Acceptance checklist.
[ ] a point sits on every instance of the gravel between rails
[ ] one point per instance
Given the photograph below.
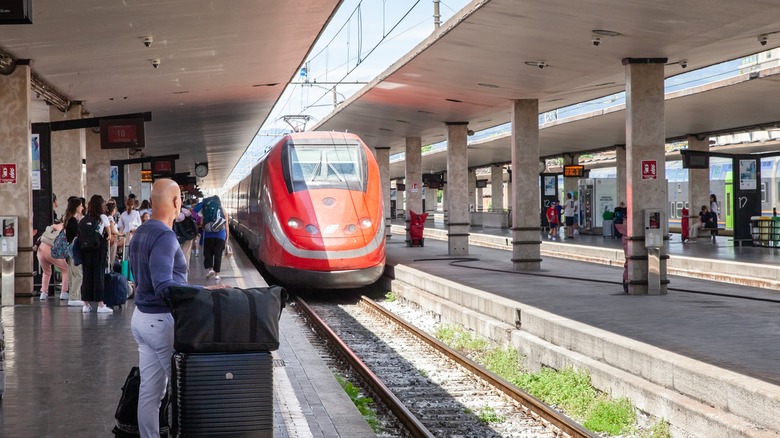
(447, 398)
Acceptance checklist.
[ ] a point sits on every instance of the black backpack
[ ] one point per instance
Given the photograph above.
(89, 238)
(186, 229)
(127, 411)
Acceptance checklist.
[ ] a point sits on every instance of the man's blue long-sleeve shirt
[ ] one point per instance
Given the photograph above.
(157, 264)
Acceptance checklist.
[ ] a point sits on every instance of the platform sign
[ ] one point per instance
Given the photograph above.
(649, 169)
(8, 173)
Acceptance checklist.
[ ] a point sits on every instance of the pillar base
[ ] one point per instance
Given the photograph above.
(458, 239)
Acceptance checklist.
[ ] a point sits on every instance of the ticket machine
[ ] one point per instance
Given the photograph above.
(9, 249)
(654, 240)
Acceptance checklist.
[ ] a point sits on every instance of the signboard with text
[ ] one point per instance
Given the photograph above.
(649, 169)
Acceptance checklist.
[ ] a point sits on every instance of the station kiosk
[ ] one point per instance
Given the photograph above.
(596, 196)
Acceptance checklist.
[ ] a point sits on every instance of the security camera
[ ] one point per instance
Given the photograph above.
(684, 63)
(596, 41)
(155, 63)
(541, 65)
(763, 39)
(148, 41)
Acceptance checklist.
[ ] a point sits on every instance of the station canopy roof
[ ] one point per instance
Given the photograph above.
(487, 55)
(223, 65)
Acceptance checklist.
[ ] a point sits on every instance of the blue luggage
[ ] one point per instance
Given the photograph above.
(116, 289)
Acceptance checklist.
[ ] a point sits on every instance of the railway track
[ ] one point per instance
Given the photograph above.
(431, 389)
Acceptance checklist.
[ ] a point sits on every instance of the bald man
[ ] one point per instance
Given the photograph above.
(157, 264)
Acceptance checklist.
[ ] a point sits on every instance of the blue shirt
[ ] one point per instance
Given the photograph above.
(221, 234)
(157, 264)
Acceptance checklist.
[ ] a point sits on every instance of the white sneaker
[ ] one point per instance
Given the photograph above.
(211, 273)
(44, 296)
(64, 295)
(105, 309)
(86, 308)
(76, 303)
(217, 278)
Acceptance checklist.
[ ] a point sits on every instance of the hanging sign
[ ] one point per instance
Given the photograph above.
(8, 173)
(649, 169)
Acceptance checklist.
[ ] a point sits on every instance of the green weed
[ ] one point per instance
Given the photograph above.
(464, 341)
(391, 297)
(362, 403)
(658, 430)
(488, 415)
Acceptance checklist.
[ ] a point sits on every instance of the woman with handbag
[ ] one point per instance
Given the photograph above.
(45, 260)
(73, 215)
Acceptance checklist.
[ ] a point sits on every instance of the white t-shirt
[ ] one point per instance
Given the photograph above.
(714, 207)
(104, 222)
(569, 208)
(129, 221)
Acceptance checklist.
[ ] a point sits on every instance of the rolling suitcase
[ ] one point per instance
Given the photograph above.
(127, 411)
(125, 264)
(116, 290)
(221, 394)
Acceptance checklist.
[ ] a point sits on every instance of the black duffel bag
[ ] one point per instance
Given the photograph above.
(226, 320)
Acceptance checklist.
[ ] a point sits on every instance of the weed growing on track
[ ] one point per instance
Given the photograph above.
(567, 389)
(391, 297)
(488, 415)
(362, 403)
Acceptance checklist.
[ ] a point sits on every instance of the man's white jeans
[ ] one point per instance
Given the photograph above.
(154, 334)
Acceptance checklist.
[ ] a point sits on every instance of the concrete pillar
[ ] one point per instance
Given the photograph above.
(98, 163)
(413, 178)
(456, 199)
(698, 179)
(497, 186)
(620, 166)
(526, 241)
(480, 200)
(68, 150)
(430, 202)
(16, 199)
(645, 138)
(445, 201)
(570, 184)
(473, 189)
(383, 159)
(133, 180)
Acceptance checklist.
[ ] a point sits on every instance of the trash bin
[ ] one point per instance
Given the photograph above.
(761, 229)
(416, 228)
(775, 230)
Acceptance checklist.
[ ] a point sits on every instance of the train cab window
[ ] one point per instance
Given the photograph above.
(324, 166)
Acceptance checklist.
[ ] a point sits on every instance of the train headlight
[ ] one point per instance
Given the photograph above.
(328, 201)
(295, 223)
(349, 229)
(313, 230)
(365, 222)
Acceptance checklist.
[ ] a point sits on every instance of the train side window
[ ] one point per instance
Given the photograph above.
(672, 210)
(678, 210)
(763, 192)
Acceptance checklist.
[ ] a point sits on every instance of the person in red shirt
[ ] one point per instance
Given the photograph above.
(552, 220)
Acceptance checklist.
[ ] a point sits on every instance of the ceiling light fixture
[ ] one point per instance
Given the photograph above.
(487, 85)
(606, 33)
(454, 100)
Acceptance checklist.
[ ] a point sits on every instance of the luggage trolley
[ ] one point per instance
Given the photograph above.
(416, 228)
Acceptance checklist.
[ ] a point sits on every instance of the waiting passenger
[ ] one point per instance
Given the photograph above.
(73, 215)
(705, 221)
(145, 217)
(620, 214)
(552, 220)
(94, 256)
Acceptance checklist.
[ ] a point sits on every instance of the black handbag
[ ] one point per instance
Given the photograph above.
(226, 320)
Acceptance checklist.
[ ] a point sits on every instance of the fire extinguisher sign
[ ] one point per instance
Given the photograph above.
(649, 169)
(8, 173)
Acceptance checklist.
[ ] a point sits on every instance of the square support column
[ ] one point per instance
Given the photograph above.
(526, 239)
(645, 165)
(456, 195)
(68, 152)
(383, 159)
(16, 198)
(497, 187)
(620, 170)
(413, 179)
(698, 179)
(472, 189)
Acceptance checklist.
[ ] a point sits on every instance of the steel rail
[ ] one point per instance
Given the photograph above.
(410, 422)
(561, 421)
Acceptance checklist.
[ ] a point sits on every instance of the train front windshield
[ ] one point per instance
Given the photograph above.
(325, 166)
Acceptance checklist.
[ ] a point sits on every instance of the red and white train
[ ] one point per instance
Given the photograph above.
(311, 211)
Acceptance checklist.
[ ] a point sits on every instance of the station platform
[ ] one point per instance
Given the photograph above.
(679, 340)
(704, 259)
(65, 370)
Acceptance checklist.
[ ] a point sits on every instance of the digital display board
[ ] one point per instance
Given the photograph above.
(122, 133)
(577, 171)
